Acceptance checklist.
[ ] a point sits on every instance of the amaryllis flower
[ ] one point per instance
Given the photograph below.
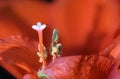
(18, 56)
(85, 30)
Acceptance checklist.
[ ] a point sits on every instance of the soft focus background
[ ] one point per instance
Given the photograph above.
(85, 26)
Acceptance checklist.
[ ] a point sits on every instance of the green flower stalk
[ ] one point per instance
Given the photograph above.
(42, 75)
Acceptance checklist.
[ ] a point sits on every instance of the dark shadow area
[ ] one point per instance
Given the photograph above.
(5, 74)
(49, 1)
